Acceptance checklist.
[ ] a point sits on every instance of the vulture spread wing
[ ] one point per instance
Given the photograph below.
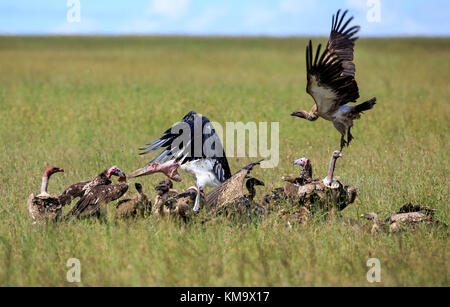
(80, 188)
(72, 192)
(331, 75)
(90, 202)
(229, 191)
(194, 137)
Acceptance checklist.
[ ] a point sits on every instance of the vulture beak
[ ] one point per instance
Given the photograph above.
(61, 170)
(298, 162)
(297, 114)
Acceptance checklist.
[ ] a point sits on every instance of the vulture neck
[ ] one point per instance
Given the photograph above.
(252, 191)
(44, 184)
(331, 171)
(306, 173)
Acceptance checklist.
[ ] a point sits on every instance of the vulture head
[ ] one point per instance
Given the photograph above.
(250, 185)
(114, 171)
(370, 216)
(164, 186)
(305, 163)
(52, 170)
(138, 187)
(337, 154)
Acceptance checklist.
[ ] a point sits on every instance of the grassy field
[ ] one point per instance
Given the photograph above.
(85, 104)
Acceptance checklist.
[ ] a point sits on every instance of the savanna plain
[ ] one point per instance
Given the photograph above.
(86, 103)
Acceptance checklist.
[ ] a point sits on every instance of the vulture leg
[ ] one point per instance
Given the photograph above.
(343, 142)
(349, 136)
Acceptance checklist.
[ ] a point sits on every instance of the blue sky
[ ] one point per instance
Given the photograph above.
(223, 17)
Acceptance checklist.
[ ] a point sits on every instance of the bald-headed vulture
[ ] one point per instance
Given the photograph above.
(45, 206)
(95, 199)
(80, 188)
(331, 80)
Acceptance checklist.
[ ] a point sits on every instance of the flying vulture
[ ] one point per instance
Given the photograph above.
(331, 80)
(193, 145)
(45, 206)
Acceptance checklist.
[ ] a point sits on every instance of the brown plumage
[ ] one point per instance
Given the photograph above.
(44, 206)
(327, 194)
(80, 188)
(291, 188)
(331, 80)
(181, 205)
(229, 198)
(229, 191)
(166, 192)
(95, 199)
(408, 217)
(139, 205)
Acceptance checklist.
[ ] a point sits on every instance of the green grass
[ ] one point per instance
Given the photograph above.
(85, 104)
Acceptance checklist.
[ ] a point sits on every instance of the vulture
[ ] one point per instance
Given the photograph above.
(329, 192)
(181, 205)
(257, 209)
(95, 199)
(245, 209)
(80, 188)
(163, 201)
(45, 206)
(317, 194)
(139, 205)
(331, 80)
(193, 145)
(231, 192)
(408, 217)
(291, 188)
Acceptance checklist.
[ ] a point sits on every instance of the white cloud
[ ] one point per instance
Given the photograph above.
(169, 8)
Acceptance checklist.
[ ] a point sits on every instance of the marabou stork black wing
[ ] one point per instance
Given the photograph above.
(194, 137)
